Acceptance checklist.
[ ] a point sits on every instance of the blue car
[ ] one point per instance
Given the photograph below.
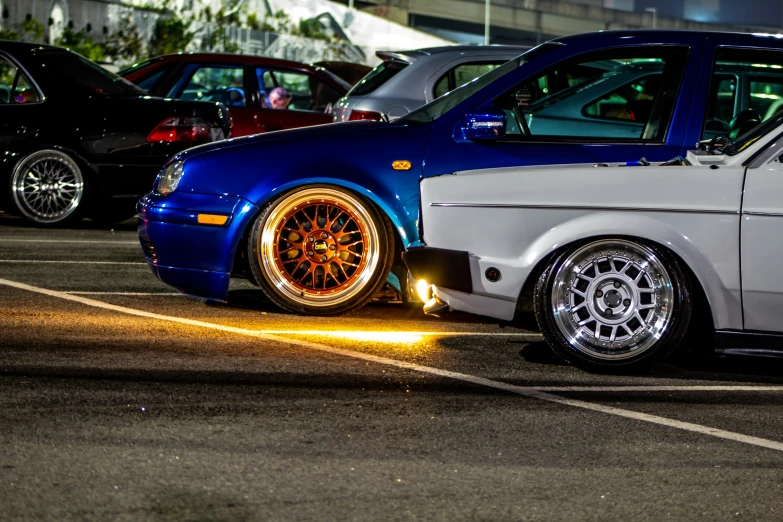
(318, 217)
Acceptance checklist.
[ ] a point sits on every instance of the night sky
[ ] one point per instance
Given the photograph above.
(751, 12)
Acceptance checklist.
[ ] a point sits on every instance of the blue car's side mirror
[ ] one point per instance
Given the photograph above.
(489, 125)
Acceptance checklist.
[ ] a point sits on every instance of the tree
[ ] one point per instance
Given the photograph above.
(8, 34)
(32, 30)
(82, 43)
(171, 35)
(125, 45)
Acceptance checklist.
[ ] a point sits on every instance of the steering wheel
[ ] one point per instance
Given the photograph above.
(235, 97)
(743, 122)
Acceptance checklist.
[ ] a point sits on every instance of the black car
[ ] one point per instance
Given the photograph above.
(77, 140)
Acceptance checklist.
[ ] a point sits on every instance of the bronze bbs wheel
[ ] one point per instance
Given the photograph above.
(320, 250)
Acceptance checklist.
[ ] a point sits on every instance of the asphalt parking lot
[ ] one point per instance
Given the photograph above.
(123, 400)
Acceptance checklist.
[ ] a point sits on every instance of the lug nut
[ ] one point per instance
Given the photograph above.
(310, 239)
(323, 258)
(331, 247)
(617, 284)
(627, 302)
(599, 294)
(310, 252)
(324, 235)
(609, 311)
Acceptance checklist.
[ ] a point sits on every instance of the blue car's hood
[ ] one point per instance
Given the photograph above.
(303, 134)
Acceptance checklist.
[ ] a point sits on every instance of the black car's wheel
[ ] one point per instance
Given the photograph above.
(47, 188)
(613, 306)
(321, 250)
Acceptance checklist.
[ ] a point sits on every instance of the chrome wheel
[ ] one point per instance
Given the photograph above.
(319, 247)
(47, 187)
(612, 299)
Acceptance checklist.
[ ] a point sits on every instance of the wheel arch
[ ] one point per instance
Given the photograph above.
(240, 266)
(707, 284)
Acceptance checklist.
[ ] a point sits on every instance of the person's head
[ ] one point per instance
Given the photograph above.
(279, 98)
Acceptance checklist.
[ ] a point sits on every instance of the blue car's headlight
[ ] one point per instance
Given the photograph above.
(168, 180)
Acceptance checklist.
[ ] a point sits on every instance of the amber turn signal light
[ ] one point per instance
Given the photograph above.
(212, 219)
(401, 165)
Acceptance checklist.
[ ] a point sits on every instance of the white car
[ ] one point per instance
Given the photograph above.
(615, 259)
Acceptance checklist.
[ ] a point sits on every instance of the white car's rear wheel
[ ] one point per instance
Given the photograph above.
(613, 306)
(321, 251)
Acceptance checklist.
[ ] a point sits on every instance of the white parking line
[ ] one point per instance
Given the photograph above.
(125, 293)
(58, 262)
(655, 388)
(69, 241)
(532, 392)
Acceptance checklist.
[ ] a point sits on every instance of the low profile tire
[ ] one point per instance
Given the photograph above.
(322, 250)
(47, 188)
(613, 306)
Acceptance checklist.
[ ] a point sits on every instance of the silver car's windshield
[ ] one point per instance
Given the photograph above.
(440, 106)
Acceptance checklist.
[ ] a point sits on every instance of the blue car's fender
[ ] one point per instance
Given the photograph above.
(355, 156)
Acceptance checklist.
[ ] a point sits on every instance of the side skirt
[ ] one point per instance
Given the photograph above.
(758, 344)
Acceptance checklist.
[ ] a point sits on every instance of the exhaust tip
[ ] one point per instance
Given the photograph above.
(435, 307)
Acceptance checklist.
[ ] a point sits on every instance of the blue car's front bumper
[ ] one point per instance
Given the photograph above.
(194, 258)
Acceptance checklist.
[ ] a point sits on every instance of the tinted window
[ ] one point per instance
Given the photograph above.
(15, 88)
(624, 94)
(746, 89)
(460, 75)
(377, 77)
(766, 95)
(307, 92)
(631, 102)
(722, 104)
(440, 106)
(150, 81)
(89, 74)
(224, 84)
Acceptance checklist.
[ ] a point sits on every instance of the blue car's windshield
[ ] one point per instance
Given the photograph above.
(440, 106)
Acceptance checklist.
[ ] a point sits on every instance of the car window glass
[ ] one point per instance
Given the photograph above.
(149, 81)
(460, 75)
(86, 74)
(721, 106)
(632, 102)
(377, 77)
(746, 89)
(15, 88)
(617, 95)
(766, 95)
(306, 92)
(224, 84)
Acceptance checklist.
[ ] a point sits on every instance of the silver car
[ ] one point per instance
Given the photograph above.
(406, 80)
(617, 260)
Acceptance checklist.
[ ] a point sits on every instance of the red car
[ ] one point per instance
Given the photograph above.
(243, 83)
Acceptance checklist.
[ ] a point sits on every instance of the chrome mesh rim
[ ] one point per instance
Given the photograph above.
(47, 186)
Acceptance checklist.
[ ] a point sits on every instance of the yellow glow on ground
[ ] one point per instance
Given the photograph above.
(359, 335)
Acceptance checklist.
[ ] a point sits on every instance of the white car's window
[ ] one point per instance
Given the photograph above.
(617, 95)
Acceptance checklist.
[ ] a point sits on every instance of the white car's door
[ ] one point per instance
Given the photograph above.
(762, 243)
